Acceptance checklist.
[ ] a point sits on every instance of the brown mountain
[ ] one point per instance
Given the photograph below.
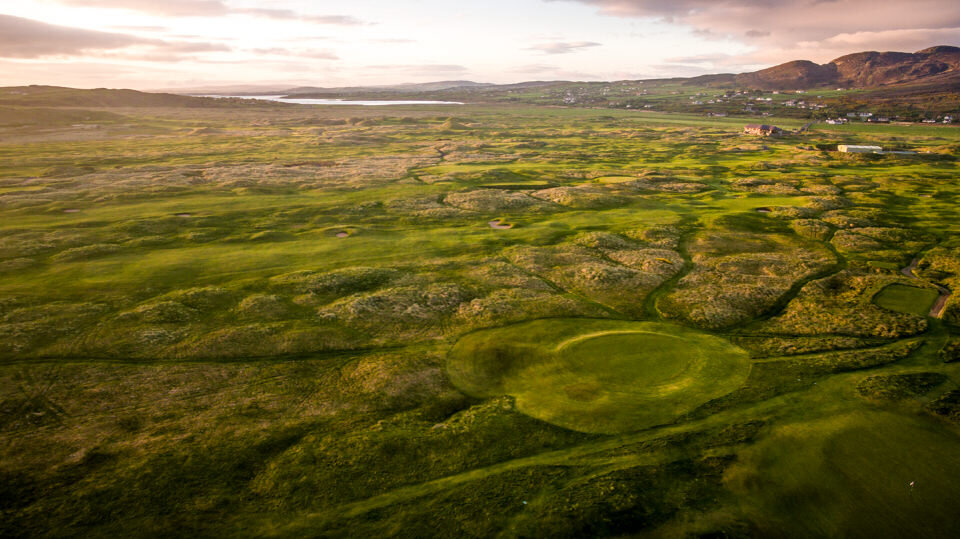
(799, 74)
(859, 70)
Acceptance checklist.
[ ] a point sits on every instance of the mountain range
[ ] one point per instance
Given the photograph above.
(897, 75)
(936, 65)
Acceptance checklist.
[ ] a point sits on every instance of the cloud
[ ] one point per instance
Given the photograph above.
(428, 70)
(26, 38)
(815, 18)
(446, 68)
(535, 69)
(908, 39)
(699, 59)
(290, 15)
(669, 71)
(169, 8)
(134, 28)
(563, 47)
(780, 25)
(340, 20)
(552, 72)
(211, 8)
(318, 55)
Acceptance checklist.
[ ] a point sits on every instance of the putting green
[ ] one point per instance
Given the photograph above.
(600, 376)
(906, 299)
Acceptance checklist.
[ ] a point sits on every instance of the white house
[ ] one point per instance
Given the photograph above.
(850, 148)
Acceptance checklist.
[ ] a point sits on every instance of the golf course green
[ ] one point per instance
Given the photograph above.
(906, 299)
(598, 376)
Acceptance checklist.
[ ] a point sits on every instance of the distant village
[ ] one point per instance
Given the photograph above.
(763, 130)
(754, 104)
(821, 105)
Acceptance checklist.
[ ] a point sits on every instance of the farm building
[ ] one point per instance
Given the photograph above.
(849, 148)
(762, 130)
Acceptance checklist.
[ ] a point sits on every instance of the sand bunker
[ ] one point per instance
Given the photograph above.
(71, 211)
(500, 225)
(343, 234)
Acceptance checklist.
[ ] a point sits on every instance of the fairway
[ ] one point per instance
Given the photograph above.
(854, 475)
(906, 299)
(598, 376)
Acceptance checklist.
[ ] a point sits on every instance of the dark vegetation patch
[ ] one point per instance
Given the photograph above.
(899, 386)
(947, 406)
(951, 350)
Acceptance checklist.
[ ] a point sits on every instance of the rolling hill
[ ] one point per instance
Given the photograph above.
(57, 96)
(940, 65)
(887, 76)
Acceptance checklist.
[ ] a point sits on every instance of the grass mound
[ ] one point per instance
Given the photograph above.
(453, 124)
(598, 376)
(906, 299)
(899, 386)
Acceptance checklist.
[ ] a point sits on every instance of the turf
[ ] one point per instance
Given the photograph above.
(856, 475)
(598, 376)
(906, 299)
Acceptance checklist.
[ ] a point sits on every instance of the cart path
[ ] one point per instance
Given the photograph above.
(936, 311)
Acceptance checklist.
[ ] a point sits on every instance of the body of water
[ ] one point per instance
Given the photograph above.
(282, 99)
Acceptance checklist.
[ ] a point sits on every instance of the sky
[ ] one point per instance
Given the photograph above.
(155, 44)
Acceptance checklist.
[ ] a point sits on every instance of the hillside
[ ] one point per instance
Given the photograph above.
(859, 70)
(795, 74)
(930, 77)
(56, 96)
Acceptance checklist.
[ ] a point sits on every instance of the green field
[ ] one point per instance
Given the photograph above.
(906, 299)
(488, 320)
(598, 375)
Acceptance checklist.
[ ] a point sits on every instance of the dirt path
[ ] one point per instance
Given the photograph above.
(908, 271)
(941, 304)
(936, 311)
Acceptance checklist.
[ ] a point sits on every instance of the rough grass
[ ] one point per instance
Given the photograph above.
(189, 346)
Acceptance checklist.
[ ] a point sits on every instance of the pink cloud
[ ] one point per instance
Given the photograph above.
(817, 30)
(26, 38)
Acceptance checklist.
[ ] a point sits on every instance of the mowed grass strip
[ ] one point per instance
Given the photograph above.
(598, 376)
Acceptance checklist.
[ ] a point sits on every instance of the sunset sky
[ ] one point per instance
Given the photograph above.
(150, 44)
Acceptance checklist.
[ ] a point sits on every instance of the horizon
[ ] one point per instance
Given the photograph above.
(190, 44)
